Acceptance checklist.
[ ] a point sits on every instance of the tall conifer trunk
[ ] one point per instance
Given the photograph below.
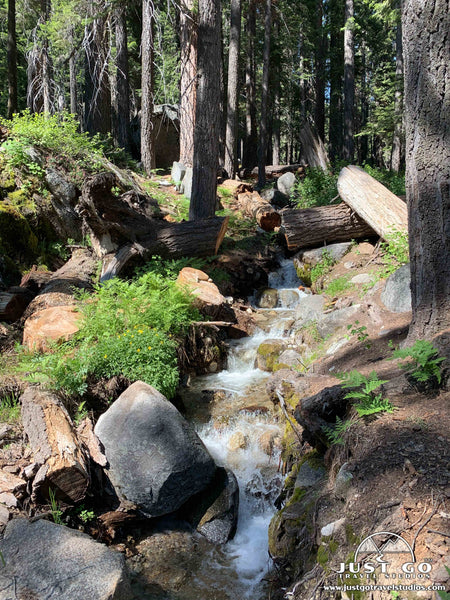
(349, 82)
(121, 104)
(188, 85)
(147, 133)
(250, 157)
(232, 95)
(263, 137)
(12, 59)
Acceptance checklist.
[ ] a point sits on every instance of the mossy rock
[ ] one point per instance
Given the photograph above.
(268, 354)
(303, 272)
(16, 236)
(7, 178)
(267, 298)
(21, 200)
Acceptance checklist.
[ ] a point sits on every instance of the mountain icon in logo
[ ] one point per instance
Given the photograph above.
(376, 543)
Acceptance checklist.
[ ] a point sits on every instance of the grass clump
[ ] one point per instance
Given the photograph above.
(9, 409)
(338, 286)
(129, 329)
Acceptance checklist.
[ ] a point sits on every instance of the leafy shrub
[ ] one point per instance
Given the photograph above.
(322, 267)
(396, 251)
(129, 329)
(59, 138)
(317, 188)
(423, 364)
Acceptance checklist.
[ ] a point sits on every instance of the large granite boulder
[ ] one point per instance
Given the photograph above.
(45, 561)
(396, 295)
(156, 459)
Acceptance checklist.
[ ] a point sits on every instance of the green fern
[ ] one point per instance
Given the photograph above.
(369, 402)
(424, 363)
(336, 432)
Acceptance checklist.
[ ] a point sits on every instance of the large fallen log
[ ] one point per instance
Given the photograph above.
(56, 449)
(252, 205)
(308, 227)
(131, 224)
(189, 238)
(275, 170)
(379, 207)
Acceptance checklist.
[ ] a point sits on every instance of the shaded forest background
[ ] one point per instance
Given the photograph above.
(334, 64)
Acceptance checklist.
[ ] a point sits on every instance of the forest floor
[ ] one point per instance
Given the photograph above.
(399, 461)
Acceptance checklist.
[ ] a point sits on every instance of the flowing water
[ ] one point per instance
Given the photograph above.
(236, 424)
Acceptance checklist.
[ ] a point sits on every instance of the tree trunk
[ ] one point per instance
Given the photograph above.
(188, 87)
(55, 447)
(427, 118)
(336, 17)
(373, 202)
(12, 59)
(322, 225)
(233, 80)
(121, 120)
(313, 149)
(319, 64)
(73, 75)
(349, 81)
(47, 94)
(97, 116)
(397, 142)
(147, 133)
(207, 116)
(250, 157)
(262, 149)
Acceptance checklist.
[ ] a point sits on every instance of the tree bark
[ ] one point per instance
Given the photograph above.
(73, 75)
(373, 202)
(319, 63)
(250, 157)
(121, 104)
(313, 149)
(349, 81)
(323, 224)
(188, 87)
(147, 133)
(427, 119)
(232, 95)
(97, 100)
(336, 70)
(397, 142)
(252, 205)
(12, 59)
(55, 447)
(262, 149)
(207, 116)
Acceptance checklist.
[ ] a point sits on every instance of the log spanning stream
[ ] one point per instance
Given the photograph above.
(237, 427)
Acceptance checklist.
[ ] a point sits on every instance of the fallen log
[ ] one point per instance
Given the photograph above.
(252, 205)
(308, 227)
(13, 303)
(379, 207)
(55, 446)
(133, 224)
(275, 170)
(189, 238)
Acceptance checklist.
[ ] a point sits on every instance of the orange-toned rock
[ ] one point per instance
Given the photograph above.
(50, 325)
(198, 282)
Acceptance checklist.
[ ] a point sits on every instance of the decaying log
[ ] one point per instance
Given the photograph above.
(189, 238)
(133, 224)
(252, 205)
(313, 149)
(275, 170)
(379, 207)
(323, 224)
(13, 303)
(54, 445)
(319, 411)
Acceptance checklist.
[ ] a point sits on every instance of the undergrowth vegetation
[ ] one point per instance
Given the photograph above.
(128, 328)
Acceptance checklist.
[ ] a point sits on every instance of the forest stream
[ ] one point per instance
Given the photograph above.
(241, 433)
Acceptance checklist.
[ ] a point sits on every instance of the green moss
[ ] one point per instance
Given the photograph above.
(16, 236)
(7, 178)
(21, 200)
(270, 351)
(322, 556)
(304, 274)
(297, 495)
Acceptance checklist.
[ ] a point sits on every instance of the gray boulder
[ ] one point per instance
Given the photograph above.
(45, 561)
(314, 256)
(186, 184)
(309, 308)
(63, 198)
(396, 295)
(286, 183)
(156, 459)
(219, 522)
(331, 322)
(275, 197)
(177, 174)
(308, 475)
(267, 298)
